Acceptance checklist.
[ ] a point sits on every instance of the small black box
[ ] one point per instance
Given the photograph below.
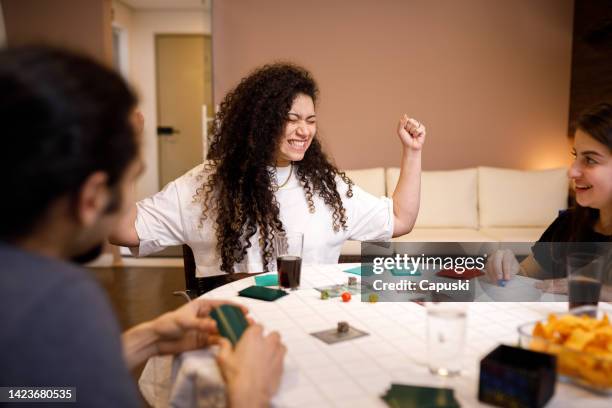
(515, 377)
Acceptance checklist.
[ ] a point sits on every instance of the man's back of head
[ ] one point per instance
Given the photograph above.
(65, 117)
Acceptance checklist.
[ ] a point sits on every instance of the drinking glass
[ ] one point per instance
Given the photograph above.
(446, 327)
(584, 276)
(288, 248)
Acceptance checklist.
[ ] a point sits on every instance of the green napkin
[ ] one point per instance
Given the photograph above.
(355, 271)
(367, 270)
(231, 322)
(270, 279)
(411, 396)
(262, 293)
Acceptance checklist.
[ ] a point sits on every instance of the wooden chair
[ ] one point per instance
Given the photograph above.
(192, 287)
(195, 286)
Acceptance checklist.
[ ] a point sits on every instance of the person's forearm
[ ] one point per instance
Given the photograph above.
(407, 195)
(125, 232)
(529, 267)
(139, 343)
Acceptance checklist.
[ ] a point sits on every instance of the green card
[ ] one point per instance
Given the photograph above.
(231, 322)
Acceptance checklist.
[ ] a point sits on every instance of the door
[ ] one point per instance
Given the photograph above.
(184, 85)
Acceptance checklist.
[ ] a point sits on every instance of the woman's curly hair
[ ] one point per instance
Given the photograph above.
(245, 136)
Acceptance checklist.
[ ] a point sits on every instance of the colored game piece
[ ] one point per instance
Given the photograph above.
(346, 297)
(343, 327)
(352, 281)
(373, 298)
(324, 294)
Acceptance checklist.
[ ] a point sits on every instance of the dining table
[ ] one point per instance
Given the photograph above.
(358, 372)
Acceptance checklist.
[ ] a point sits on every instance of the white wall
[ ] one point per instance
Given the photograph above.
(141, 26)
(145, 24)
(122, 19)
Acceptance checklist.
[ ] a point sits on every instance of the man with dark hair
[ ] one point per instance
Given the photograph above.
(69, 156)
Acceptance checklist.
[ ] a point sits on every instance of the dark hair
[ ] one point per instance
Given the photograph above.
(597, 123)
(64, 116)
(245, 137)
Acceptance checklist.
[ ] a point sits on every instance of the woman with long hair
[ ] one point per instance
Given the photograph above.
(266, 175)
(588, 221)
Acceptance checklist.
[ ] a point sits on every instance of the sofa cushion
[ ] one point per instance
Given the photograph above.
(371, 180)
(518, 240)
(517, 198)
(351, 247)
(424, 235)
(434, 241)
(448, 198)
(525, 234)
(444, 235)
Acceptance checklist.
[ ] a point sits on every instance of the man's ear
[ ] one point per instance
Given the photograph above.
(92, 199)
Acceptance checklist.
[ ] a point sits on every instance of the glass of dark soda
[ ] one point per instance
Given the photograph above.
(584, 276)
(288, 248)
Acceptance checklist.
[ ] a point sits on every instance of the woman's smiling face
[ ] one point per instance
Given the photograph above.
(300, 129)
(591, 172)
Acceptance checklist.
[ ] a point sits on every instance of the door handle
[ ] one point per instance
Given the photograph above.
(167, 131)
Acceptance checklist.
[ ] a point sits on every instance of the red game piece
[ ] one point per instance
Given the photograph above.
(346, 296)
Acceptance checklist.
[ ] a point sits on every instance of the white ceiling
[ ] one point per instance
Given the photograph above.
(167, 4)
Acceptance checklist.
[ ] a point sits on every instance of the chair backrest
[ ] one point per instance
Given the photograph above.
(191, 282)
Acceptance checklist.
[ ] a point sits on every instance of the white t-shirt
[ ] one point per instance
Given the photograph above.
(173, 217)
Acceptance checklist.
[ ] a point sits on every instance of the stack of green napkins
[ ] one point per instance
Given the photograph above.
(413, 396)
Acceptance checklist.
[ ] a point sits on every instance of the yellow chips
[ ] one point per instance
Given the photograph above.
(583, 346)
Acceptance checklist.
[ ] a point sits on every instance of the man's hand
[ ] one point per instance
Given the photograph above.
(186, 328)
(411, 133)
(253, 369)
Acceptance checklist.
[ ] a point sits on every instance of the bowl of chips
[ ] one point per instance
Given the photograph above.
(582, 341)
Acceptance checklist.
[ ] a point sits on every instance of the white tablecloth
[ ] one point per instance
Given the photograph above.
(353, 373)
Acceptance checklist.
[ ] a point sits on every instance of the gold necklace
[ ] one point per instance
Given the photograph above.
(278, 187)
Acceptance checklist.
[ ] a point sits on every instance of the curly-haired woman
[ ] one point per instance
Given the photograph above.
(267, 174)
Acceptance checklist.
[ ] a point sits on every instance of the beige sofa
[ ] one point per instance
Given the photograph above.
(480, 204)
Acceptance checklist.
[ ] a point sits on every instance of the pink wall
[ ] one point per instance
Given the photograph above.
(82, 25)
(489, 78)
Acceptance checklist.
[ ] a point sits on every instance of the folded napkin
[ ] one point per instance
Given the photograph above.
(367, 270)
(181, 382)
(355, 271)
(262, 293)
(270, 279)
